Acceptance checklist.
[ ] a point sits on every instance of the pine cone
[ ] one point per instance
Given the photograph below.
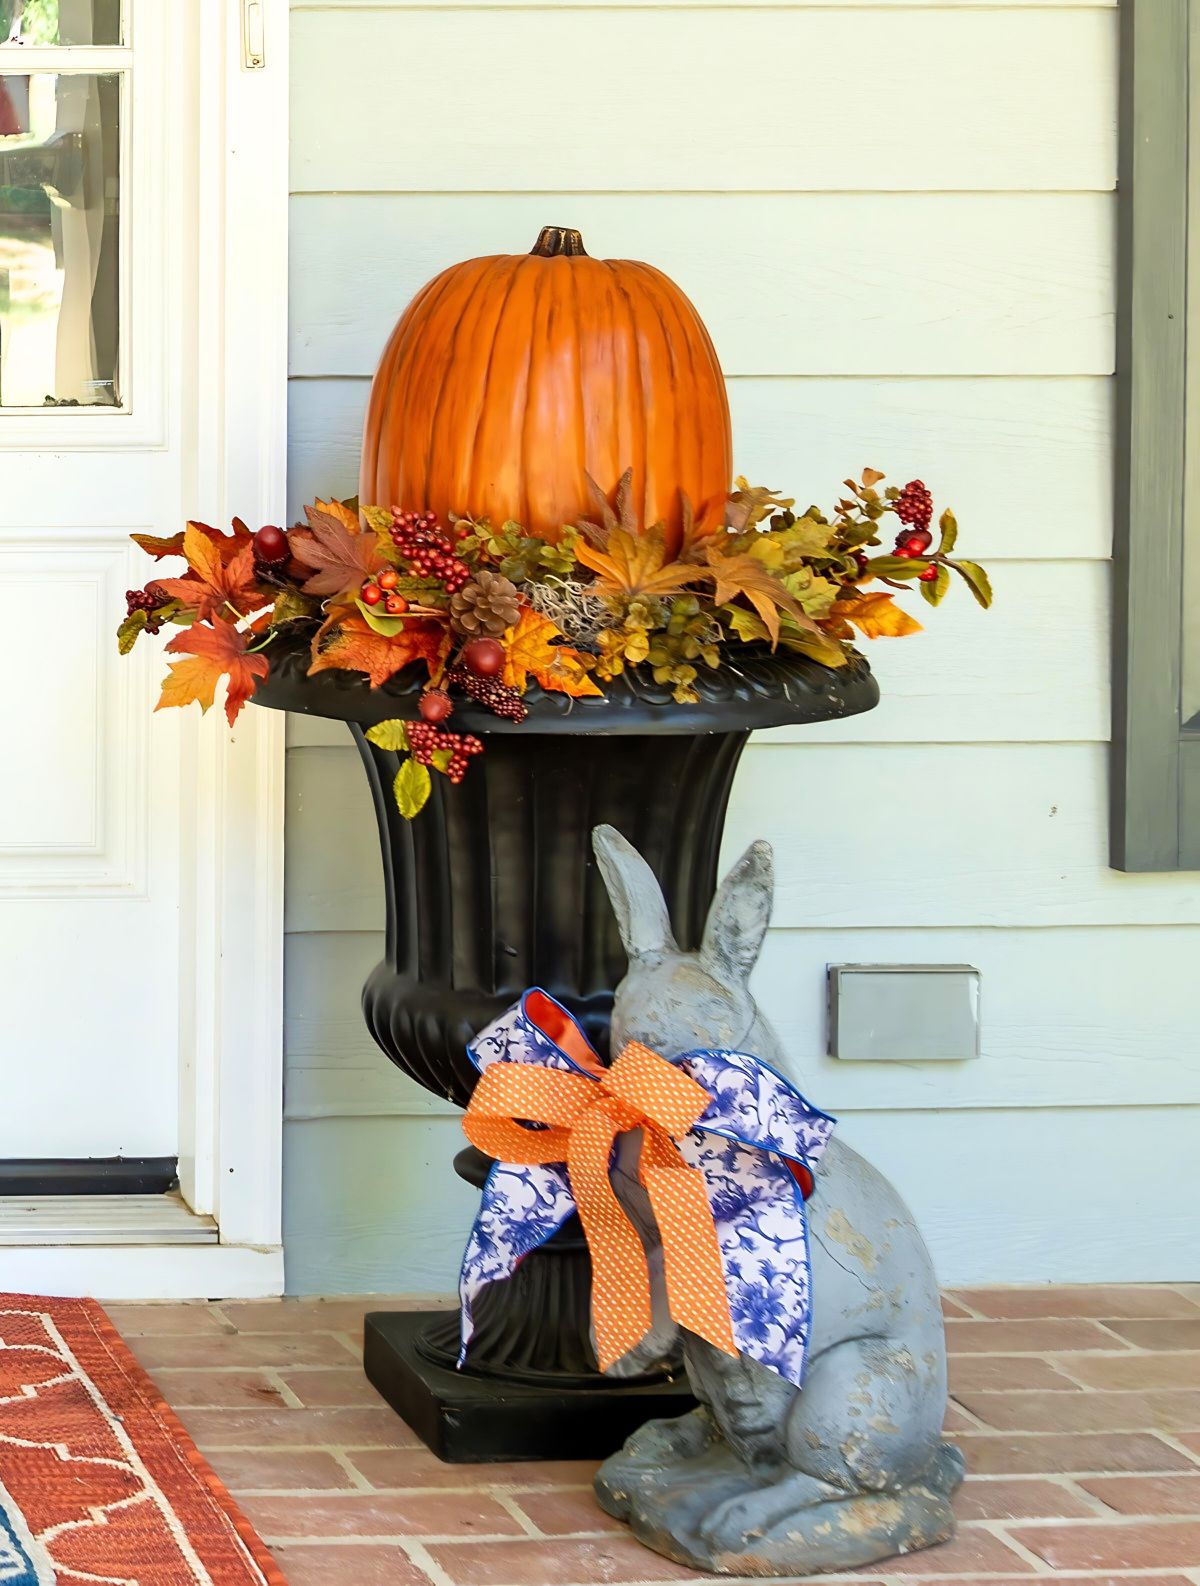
(485, 606)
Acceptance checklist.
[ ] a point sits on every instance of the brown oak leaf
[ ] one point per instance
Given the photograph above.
(337, 548)
(212, 583)
(346, 642)
(214, 652)
(530, 650)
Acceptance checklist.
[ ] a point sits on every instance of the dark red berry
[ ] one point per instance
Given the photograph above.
(148, 600)
(271, 544)
(426, 740)
(484, 657)
(914, 504)
(860, 562)
(427, 550)
(930, 573)
(435, 705)
(490, 692)
(921, 538)
(910, 545)
(372, 594)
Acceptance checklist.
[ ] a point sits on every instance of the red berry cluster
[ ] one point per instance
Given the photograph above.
(914, 505)
(147, 600)
(427, 550)
(425, 740)
(383, 588)
(489, 692)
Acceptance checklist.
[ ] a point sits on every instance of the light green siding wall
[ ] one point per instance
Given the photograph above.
(902, 242)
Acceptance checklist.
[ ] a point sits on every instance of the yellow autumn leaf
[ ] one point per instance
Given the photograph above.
(876, 615)
(341, 512)
(635, 564)
(530, 650)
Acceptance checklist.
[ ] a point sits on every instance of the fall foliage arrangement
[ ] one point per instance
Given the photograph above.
(487, 609)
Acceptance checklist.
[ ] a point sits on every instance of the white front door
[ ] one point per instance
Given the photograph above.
(131, 132)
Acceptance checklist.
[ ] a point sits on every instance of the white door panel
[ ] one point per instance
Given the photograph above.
(99, 204)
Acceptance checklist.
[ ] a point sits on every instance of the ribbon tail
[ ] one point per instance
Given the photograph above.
(621, 1310)
(692, 1264)
(521, 1207)
(762, 1231)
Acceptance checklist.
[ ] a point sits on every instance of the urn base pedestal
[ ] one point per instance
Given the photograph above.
(466, 1418)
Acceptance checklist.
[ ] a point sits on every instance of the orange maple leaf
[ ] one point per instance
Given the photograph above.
(635, 564)
(737, 573)
(346, 642)
(530, 650)
(172, 545)
(876, 614)
(216, 652)
(212, 584)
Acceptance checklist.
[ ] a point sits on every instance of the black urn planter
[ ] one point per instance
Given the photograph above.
(494, 888)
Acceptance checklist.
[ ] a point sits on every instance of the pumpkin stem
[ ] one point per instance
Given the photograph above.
(554, 241)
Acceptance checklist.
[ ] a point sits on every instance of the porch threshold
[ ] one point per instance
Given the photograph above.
(60, 1220)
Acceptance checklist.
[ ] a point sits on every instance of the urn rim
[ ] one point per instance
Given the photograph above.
(761, 689)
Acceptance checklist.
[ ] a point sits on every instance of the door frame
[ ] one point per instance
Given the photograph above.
(231, 822)
(231, 1102)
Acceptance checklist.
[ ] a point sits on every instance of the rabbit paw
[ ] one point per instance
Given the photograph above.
(740, 1521)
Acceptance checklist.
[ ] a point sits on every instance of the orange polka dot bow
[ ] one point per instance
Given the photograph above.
(580, 1120)
(727, 1153)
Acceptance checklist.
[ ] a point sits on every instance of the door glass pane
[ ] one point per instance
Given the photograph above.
(59, 239)
(60, 22)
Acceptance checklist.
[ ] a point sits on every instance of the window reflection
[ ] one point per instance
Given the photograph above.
(59, 238)
(40, 22)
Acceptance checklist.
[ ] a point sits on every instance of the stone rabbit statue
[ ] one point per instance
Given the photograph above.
(765, 1478)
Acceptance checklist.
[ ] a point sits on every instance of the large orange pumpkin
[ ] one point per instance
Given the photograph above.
(509, 379)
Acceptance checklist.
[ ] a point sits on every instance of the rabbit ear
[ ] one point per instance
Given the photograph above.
(740, 914)
(636, 896)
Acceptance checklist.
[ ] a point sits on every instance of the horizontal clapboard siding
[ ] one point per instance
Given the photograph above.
(1018, 1195)
(1040, 1038)
(971, 437)
(579, 100)
(373, 1205)
(696, 5)
(840, 284)
(923, 835)
(906, 262)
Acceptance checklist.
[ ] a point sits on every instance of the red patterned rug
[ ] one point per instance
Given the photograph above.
(98, 1480)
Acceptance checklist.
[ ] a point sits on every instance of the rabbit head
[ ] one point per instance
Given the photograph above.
(672, 1000)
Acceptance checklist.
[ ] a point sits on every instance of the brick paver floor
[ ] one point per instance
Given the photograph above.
(1078, 1410)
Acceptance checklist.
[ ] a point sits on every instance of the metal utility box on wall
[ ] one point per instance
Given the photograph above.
(903, 1013)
